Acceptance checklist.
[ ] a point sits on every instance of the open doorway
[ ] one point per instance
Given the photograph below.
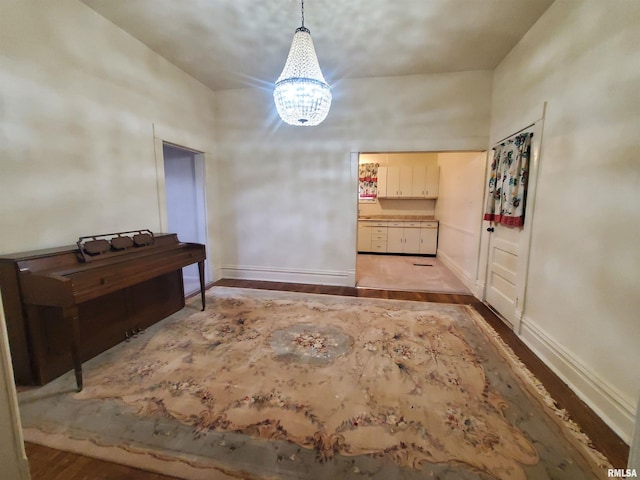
(419, 220)
(185, 196)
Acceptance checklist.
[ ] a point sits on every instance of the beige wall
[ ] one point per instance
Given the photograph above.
(79, 102)
(582, 302)
(80, 99)
(459, 210)
(289, 198)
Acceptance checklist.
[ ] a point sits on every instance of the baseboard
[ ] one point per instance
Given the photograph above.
(463, 276)
(608, 403)
(478, 290)
(351, 278)
(217, 273)
(276, 274)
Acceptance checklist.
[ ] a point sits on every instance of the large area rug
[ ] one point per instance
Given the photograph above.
(276, 385)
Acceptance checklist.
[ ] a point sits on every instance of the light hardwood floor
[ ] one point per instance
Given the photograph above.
(405, 272)
(50, 464)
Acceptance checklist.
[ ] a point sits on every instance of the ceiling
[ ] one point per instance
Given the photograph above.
(230, 44)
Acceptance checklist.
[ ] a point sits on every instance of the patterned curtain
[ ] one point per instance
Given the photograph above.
(508, 181)
(368, 180)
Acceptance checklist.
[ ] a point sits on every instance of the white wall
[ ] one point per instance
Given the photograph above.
(80, 99)
(582, 302)
(459, 210)
(289, 199)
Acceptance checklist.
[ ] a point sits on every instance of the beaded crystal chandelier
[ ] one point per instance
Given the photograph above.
(301, 94)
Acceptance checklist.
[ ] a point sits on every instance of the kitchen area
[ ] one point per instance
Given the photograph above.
(399, 236)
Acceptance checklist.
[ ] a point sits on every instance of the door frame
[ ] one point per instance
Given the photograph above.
(200, 168)
(524, 246)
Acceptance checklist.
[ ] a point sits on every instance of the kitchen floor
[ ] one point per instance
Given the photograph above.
(406, 273)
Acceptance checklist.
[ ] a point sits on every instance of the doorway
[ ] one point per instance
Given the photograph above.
(426, 237)
(508, 248)
(185, 197)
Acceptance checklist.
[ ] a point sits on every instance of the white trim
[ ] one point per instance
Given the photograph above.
(606, 401)
(158, 153)
(524, 240)
(217, 273)
(12, 453)
(634, 451)
(351, 277)
(277, 274)
(466, 231)
(478, 290)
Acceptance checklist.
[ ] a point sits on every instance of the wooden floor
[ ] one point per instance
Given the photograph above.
(50, 464)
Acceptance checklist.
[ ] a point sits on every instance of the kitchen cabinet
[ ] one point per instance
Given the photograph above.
(417, 238)
(403, 237)
(397, 182)
(425, 180)
(409, 182)
(364, 237)
(428, 238)
(379, 237)
(382, 182)
(432, 181)
(395, 239)
(372, 236)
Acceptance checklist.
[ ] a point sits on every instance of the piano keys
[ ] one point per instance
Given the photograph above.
(66, 305)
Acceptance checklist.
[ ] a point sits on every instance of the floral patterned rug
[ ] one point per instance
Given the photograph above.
(276, 385)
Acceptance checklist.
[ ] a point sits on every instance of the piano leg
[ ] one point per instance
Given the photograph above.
(72, 314)
(201, 273)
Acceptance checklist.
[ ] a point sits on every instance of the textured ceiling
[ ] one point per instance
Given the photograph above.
(237, 43)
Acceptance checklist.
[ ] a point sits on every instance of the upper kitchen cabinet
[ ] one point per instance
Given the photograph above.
(409, 175)
(402, 180)
(397, 182)
(425, 180)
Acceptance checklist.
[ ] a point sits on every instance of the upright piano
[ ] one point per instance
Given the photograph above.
(66, 305)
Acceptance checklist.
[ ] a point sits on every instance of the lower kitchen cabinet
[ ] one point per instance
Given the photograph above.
(419, 238)
(428, 238)
(403, 237)
(364, 237)
(395, 238)
(372, 236)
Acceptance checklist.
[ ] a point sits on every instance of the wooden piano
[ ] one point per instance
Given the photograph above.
(66, 305)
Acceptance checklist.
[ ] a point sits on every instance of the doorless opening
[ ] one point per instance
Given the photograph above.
(185, 197)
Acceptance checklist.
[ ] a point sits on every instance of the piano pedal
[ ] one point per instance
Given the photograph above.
(137, 331)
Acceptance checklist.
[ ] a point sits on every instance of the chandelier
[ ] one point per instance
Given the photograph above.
(301, 94)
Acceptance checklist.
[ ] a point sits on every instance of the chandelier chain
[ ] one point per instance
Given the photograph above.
(302, 1)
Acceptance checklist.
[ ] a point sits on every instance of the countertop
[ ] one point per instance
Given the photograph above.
(399, 218)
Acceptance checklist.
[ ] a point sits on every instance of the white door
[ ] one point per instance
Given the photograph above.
(186, 213)
(502, 271)
(508, 250)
